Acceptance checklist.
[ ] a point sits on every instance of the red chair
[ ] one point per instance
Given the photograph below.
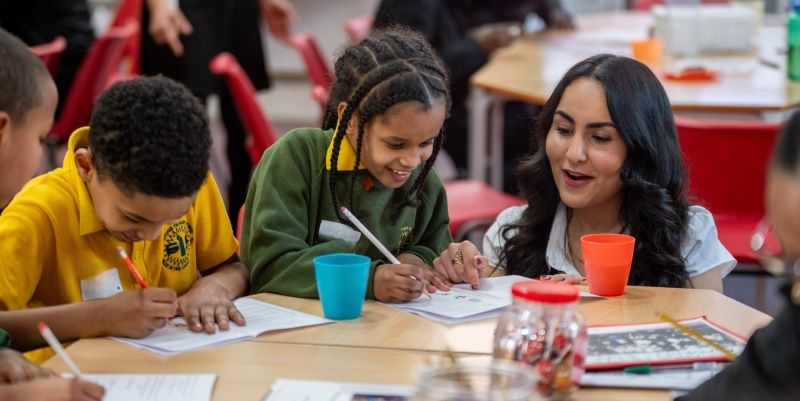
(97, 69)
(50, 53)
(129, 10)
(473, 204)
(319, 72)
(261, 131)
(727, 164)
(644, 5)
(358, 28)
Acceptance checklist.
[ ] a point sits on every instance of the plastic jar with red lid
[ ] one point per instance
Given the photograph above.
(544, 329)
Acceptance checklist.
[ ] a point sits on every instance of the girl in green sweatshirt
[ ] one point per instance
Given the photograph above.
(375, 153)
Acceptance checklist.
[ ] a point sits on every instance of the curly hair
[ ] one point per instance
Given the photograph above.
(391, 66)
(151, 136)
(21, 77)
(654, 205)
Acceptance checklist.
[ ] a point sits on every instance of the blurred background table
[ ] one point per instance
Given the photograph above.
(529, 69)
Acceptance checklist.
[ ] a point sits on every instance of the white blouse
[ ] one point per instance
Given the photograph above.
(701, 249)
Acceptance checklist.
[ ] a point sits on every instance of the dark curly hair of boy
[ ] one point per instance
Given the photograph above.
(150, 136)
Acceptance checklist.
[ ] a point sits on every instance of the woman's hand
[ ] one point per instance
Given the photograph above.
(461, 263)
(566, 278)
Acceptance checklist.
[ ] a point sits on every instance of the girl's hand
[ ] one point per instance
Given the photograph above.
(403, 282)
(566, 278)
(461, 263)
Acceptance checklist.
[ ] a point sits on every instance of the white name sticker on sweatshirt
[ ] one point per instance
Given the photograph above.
(102, 285)
(329, 230)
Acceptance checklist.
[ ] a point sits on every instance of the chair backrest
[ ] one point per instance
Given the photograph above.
(644, 5)
(50, 53)
(130, 10)
(727, 163)
(255, 120)
(319, 71)
(358, 28)
(95, 72)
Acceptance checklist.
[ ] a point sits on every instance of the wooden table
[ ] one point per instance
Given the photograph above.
(387, 345)
(245, 371)
(383, 327)
(529, 69)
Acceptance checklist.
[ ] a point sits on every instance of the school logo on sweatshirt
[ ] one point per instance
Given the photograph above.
(178, 239)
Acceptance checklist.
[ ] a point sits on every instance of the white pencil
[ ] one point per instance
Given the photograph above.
(51, 339)
(350, 216)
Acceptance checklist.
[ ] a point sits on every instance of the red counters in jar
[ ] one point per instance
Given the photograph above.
(544, 330)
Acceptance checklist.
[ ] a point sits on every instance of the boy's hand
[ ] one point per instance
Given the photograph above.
(53, 389)
(136, 314)
(16, 368)
(461, 263)
(207, 303)
(403, 282)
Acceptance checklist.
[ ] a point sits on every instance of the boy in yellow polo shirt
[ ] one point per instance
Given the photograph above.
(137, 177)
(27, 103)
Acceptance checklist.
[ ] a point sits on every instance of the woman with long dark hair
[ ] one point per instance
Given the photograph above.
(607, 160)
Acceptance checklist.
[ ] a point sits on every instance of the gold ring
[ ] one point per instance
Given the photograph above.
(458, 259)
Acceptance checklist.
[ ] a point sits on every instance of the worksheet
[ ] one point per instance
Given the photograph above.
(155, 387)
(308, 390)
(462, 304)
(260, 316)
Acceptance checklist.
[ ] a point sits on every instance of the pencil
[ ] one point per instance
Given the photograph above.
(350, 216)
(131, 266)
(697, 336)
(648, 369)
(51, 339)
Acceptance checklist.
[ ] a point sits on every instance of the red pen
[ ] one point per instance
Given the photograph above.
(131, 266)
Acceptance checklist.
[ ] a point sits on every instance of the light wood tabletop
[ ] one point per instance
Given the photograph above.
(383, 327)
(529, 69)
(388, 345)
(245, 371)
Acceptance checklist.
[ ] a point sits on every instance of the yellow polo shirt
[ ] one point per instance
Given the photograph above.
(54, 250)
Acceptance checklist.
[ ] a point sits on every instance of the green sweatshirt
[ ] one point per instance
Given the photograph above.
(289, 197)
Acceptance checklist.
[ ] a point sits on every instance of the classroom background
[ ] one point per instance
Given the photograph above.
(289, 102)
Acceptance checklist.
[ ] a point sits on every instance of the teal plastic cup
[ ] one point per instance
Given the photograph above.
(342, 284)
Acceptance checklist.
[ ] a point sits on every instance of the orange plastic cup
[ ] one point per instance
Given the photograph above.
(647, 50)
(607, 259)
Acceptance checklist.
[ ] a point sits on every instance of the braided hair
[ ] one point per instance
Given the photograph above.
(389, 67)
